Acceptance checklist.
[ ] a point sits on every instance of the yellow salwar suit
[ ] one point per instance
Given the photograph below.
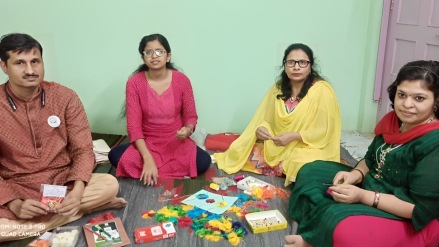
(316, 118)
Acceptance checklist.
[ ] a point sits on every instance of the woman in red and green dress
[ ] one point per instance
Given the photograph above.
(391, 198)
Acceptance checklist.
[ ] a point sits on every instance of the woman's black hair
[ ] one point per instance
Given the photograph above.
(427, 71)
(284, 83)
(163, 41)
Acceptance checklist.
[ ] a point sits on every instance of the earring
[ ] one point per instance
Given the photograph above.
(435, 108)
(391, 105)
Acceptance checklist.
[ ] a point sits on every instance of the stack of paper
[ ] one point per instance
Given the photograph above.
(101, 150)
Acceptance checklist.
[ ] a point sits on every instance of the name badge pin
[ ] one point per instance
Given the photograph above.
(54, 121)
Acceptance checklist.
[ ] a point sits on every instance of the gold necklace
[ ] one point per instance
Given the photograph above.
(382, 160)
(294, 98)
(428, 121)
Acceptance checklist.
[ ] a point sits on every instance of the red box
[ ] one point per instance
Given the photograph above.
(154, 233)
(220, 142)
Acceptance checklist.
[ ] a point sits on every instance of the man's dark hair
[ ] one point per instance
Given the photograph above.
(17, 42)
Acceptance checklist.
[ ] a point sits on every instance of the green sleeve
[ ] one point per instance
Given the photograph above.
(424, 188)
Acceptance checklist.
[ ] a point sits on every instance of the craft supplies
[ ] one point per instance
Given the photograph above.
(250, 183)
(225, 180)
(248, 192)
(184, 222)
(214, 186)
(223, 186)
(239, 177)
(263, 193)
(154, 233)
(214, 203)
(97, 234)
(39, 243)
(282, 193)
(102, 217)
(239, 228)
(207, 225)
(65, 236)
(106, 233)
(42, 241)
(52, 195)
(228, 182)
(266, 221)
(147, 215)
(218, 229)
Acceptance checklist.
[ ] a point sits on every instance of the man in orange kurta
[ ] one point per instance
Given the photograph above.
(45, 138)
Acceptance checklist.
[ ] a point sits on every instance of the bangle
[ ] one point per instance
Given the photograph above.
(376, 199)
(361, 172)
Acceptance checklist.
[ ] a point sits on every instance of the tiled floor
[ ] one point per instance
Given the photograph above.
(356, 143)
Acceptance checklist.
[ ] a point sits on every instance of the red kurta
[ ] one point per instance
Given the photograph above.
(156, 119)
(33, 153)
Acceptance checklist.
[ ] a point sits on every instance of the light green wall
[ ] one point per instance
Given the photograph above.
(231, 50)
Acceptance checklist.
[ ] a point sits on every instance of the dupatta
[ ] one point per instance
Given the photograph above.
(316, 118)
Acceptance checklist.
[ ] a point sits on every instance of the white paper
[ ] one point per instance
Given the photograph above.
(54, 190)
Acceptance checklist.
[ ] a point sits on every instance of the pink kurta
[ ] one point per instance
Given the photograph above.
(33, 153)
(156, 119)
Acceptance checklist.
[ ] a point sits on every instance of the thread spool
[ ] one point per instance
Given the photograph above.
(239, 177)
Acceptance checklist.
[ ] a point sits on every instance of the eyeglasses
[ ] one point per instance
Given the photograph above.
(292, 63)
(157, 52)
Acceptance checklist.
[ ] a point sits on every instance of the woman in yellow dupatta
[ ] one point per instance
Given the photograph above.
(298, 121)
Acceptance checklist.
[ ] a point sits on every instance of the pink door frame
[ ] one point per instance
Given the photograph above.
(382, 49)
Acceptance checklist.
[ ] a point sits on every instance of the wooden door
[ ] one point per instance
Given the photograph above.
(412, 34)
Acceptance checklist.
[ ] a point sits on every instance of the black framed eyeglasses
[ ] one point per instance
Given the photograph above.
(157, 52)
(292, 63)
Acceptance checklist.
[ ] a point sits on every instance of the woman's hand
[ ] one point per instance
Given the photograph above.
(184, 132)
(262, 134)
(149, 173)
(283, 139)
(346, 193)
(346, 178)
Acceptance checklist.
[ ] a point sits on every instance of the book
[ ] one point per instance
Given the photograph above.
(101, 150)
(106, 233)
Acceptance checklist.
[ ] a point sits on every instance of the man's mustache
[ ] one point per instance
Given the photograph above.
(30, 75)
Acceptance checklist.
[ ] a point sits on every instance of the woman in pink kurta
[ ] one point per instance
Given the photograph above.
(161, 115)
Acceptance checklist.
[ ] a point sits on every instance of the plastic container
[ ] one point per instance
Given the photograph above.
(65, 236)
(250, 183)
(42, 241)
(266, 221)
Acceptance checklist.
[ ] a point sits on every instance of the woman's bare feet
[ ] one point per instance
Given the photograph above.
(295, 241)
